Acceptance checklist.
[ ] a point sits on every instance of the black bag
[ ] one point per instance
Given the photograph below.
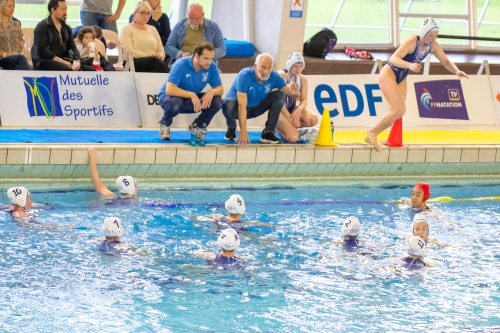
(320, 44)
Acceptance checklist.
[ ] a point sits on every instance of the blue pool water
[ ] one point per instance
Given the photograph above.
(53, 278)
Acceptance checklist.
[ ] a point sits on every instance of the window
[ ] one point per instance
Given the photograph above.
(365, 22)
(488, 21)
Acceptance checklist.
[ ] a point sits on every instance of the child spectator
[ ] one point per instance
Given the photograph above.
(86, 46)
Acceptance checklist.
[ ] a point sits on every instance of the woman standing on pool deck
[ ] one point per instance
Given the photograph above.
(392, 79)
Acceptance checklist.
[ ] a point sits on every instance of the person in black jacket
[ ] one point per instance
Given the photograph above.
(54, 47)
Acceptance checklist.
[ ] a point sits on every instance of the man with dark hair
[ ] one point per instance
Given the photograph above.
(99, 12)
(181, 93)
(54, 47)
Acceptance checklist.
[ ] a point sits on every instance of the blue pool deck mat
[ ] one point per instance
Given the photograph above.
(109, 136)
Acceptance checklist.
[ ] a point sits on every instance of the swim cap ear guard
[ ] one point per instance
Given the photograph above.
(126, 184)
(112, 227)
(426, 188)
(235, 204)
(293, 59)
(228, 240)
(416, 247)
(18, 195)
(428, 25)
(351, 227)
(419, 218)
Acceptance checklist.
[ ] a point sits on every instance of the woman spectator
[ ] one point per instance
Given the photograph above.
(11, 39)
(143, 43)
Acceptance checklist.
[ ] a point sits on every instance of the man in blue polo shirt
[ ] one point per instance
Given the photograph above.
(254, 91)
(181, 93)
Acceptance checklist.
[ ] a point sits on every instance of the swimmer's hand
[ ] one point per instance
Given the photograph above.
(261, 224)
(415, 68)
(461, 74)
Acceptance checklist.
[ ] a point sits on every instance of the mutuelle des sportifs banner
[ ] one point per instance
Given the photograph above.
(74, 99)
(52, 99)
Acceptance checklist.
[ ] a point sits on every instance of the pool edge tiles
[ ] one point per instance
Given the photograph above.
(254, 162)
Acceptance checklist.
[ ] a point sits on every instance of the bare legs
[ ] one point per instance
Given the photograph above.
(288, 131)
(395, 94)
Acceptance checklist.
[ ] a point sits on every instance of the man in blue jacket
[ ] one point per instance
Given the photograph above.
(188, 32)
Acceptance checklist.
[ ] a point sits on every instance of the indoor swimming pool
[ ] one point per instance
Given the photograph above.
(54, 278)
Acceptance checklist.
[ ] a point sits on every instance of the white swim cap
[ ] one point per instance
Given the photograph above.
(351, 227)
(293, 59)
(419, 217)
(228, 240)
(235, 204)
(112, 227)
(428, 25)
(126, 184)
(18, 195)
(416, 247)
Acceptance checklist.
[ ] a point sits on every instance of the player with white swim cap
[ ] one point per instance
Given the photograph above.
(20, 198)
(420, 226)
(235, 207)
(112, 230)
(392, 79)
(295, 119)
(229, 242)
(416, 250)
(127, 185)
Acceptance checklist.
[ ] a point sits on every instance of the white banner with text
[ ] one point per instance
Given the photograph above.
(68, 99)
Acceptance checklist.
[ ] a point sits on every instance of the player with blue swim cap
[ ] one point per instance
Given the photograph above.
(392, 79)
(127, 185)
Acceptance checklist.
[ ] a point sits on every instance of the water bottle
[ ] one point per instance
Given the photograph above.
(194, 131)
(332, 128)
(203, 137)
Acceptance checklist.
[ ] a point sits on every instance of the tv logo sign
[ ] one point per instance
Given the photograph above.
(441, 99)
(42, 97)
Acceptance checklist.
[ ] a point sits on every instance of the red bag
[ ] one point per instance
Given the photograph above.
(358, 54)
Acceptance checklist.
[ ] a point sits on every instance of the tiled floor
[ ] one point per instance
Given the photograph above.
(221, 165)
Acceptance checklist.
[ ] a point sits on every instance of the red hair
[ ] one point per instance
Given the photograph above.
(426, 188)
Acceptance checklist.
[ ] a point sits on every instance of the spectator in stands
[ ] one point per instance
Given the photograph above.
(11, 39)
(99, 12)
(181, 93)
(54, 47)
(89, 54)
(254, 91)
(97, 34)
(188, 32)
(295, 114)
(158, 19)
(143, 43)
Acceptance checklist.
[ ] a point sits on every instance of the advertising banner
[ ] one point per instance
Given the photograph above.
(68, 99)
(495, 92)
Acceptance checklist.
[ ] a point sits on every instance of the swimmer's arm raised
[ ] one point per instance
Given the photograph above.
(94, 174)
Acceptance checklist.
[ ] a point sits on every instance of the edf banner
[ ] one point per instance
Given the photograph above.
(442, 99)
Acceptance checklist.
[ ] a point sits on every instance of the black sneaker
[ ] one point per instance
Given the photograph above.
(269, 137)
(230, 134)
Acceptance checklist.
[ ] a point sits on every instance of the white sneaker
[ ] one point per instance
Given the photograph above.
(303, 134)
(165, 132)
(313, 134)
